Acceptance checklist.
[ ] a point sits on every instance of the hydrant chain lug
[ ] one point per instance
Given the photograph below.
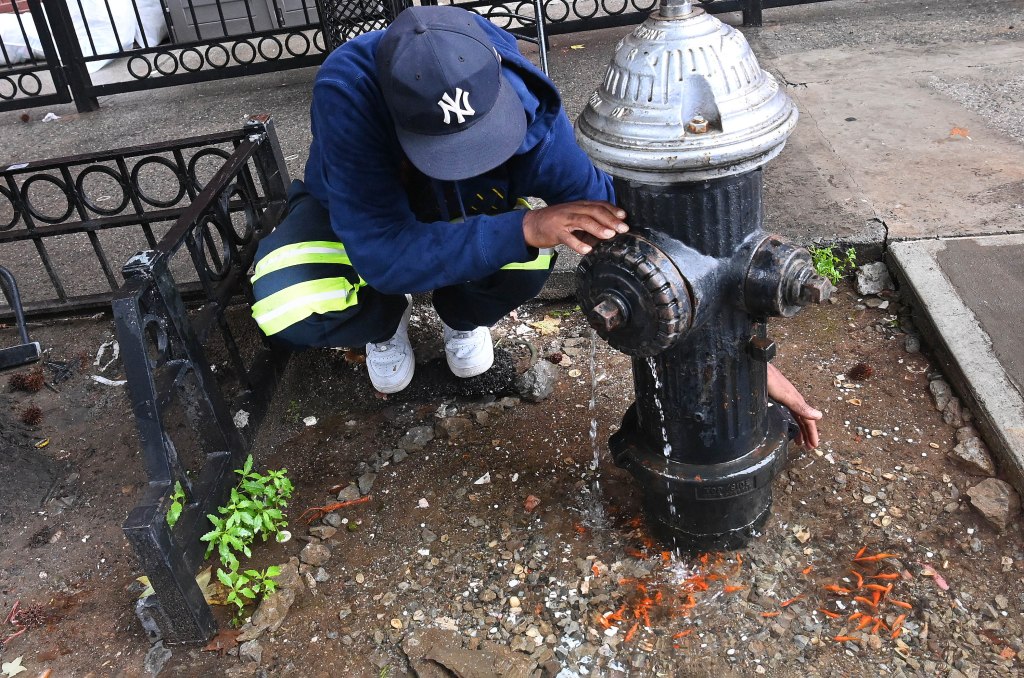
(686, 292)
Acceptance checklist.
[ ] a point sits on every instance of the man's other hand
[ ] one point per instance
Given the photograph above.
(782, 390)
(577, 224)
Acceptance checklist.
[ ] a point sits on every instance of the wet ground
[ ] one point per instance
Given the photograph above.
(440, 557)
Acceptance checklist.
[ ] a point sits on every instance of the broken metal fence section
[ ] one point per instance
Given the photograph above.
(67, 224)
(200, 381)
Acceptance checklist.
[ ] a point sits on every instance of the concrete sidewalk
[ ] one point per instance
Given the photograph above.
(910, 129)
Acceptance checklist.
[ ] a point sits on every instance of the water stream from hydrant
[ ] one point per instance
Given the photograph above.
(595, 512)
(667, 447)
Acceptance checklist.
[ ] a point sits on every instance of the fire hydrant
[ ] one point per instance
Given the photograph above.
(684, 121)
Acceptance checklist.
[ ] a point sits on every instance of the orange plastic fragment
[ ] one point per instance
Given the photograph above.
(666, 556)
(878, 624)
(739, 559)
(862, 599)
(860, 579)
(898, 624)
(896, 633)
(844, 639)
(878, 587)
(886, 575)
(855, 615)
(865, 622)
(861, 552)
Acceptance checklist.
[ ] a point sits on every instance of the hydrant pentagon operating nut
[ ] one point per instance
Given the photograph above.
(684, 121)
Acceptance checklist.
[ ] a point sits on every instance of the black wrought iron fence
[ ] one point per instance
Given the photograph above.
(61, 50)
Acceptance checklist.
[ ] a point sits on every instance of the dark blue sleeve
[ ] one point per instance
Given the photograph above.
(557, 170)
(356, 166)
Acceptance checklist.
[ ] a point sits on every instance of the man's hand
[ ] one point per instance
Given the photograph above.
(783, 391)
(577, 224)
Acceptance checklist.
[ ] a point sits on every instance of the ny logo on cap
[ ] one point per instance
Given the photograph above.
(459, 106)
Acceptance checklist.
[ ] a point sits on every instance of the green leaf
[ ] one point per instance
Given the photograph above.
(248, 593)
(273, 571)
(224, 577)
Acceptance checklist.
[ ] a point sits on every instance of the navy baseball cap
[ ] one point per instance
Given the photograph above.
(455, 114)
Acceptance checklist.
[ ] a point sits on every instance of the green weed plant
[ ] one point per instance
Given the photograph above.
(833, 265)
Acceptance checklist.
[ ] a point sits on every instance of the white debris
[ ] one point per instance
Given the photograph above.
(485, 479)
(50, 117)
(310, 421)
(241, 419)
(109, 382)
(423, 503)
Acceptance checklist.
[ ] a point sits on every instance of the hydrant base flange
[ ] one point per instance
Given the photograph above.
(704, 506)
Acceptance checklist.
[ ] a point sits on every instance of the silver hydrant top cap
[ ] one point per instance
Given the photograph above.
(684, 99)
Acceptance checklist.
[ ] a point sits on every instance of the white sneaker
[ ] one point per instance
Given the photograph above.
(469, 353)
(391, 363)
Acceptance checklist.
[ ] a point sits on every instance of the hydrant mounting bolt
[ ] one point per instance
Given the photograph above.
(697, 125)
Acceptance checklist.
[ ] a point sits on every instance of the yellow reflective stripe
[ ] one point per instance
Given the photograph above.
(297, 302)
(542, 261)
(314, 252)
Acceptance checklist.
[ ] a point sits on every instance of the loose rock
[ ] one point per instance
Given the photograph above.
(996, 501)
(453, 428)
(350, 493)
(940, 393)
(974, 457)
(873, 278)
(416, 438)
(315, 554)
(538, 382)
(365, 482)
(250, 651)
(155, 659)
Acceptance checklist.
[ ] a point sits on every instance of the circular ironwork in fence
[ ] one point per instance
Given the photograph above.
(235, 53)
(154, 329)
(10, 87)
(32, 77)
(15, 210)
(304, 41)
(133, 64)
(8, 90)
(244, 221)
(592, 5)
(270, 55)
(149, 198)
(216, 264)
(38, 179)
(84, 194)
(166, 56)
(556, 10)
(218, 63)
(193, 165)
(318, 40)
(613, 7)
(191, 59)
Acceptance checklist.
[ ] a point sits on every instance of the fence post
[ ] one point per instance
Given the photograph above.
(70, 51)
(752, 13)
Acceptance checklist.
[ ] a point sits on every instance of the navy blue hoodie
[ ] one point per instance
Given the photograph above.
(356, 168)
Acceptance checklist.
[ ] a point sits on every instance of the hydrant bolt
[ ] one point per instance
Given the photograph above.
(815, 290)
(609, 314)
(697, 125)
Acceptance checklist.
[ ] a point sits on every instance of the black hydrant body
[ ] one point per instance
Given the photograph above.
(684, 121)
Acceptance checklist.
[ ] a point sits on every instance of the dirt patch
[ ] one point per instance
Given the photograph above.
(575, 585)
